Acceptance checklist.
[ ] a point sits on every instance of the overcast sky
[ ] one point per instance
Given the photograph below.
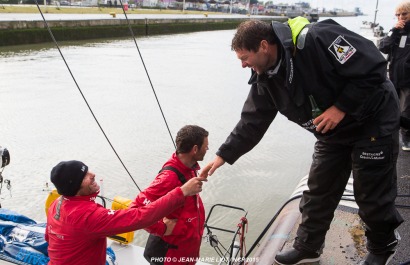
(385, 8)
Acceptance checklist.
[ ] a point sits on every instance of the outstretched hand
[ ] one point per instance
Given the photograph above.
(209, 169)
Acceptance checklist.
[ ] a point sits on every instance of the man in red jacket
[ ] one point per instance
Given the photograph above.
(77, 227)
(177, 238)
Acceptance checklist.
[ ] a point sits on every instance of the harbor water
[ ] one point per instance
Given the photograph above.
(196, 78)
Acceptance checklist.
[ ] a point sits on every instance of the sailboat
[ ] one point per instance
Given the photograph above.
(372, 30)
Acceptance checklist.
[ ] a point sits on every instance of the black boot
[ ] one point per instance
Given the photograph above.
(294, 256)
(378, 259)
(381, 255)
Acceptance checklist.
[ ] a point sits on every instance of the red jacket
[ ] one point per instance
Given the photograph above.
(79, 236)
(187, 234)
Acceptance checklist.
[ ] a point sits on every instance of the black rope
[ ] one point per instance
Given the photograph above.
(146, 71)
(79, 89)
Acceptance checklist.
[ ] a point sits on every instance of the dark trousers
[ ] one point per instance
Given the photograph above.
(373, 164)
(405, 112)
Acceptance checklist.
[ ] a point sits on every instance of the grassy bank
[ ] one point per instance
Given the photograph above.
(32, 32)
(89, 10)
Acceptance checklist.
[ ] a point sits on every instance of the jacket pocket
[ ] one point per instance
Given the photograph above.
(373, 155)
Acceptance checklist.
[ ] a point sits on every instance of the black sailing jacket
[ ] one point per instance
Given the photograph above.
(397, 46)
(335, 66)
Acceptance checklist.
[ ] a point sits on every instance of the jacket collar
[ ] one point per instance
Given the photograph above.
(175, 162)
(286, 38)
(90, 197)
(286, 46)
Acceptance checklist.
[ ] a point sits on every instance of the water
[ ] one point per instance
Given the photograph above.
(198, 80)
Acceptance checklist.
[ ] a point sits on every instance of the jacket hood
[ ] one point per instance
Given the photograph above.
(297, 24)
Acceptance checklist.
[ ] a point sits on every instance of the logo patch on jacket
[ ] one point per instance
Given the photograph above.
(342, 49)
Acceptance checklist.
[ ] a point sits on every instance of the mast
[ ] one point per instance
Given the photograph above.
(375, 12)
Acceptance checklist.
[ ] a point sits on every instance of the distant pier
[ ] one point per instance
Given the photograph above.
(21, 31)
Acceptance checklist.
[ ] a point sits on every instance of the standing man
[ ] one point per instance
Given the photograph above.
(177, 238)
(397, 45)
(77, 227)
(331, 82)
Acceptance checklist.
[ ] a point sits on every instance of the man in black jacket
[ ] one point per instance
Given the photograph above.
(397, 45)
(331, 82)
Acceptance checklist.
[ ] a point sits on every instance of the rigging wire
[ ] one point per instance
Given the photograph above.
(79, 89)
(146, 72)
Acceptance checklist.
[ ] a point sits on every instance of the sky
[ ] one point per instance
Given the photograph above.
(385, 7)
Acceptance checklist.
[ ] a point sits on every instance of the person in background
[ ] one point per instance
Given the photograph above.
(177, 238)
(397, 46)
(77, 227)
(332, 82)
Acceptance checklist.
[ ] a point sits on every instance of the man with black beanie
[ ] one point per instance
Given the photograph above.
(67, 177)
(77, 227)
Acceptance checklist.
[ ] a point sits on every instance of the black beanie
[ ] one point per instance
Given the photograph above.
(67, 177)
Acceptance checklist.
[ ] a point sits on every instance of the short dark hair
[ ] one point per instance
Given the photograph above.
(250, 33)
(189, 136)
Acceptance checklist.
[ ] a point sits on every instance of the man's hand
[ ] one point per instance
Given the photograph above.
(209, 169)
(329, 119)
(170, 223)
(192, 186)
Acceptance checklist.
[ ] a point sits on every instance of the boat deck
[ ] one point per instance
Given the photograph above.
(345, 241)
(403, 183)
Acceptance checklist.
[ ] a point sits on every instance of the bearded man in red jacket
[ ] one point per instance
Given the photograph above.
(177, 238)
(77, 227)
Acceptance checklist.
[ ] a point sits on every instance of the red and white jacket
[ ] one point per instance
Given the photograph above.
(187, 233)
(79, 235)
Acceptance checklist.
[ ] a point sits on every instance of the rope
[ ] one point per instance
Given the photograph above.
(146, 71)
(85, 100)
